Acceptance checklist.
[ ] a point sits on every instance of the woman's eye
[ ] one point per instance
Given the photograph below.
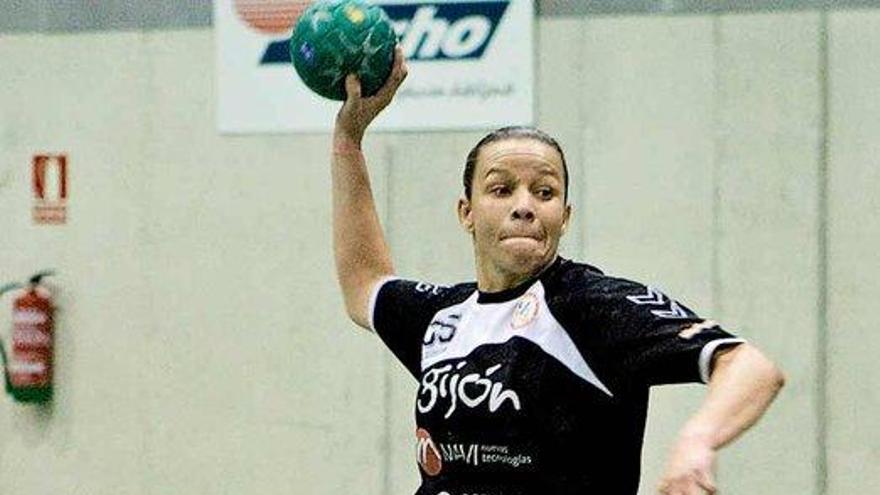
(545, 193)
(499, 190)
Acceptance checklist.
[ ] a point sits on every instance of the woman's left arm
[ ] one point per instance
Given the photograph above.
(742, 385)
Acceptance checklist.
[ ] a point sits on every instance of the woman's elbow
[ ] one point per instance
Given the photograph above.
(778, 377)
(773, 374)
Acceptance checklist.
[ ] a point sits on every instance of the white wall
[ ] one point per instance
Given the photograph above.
(202, 346)
(854, 230)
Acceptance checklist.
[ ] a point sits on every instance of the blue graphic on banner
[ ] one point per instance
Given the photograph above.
(430, 31)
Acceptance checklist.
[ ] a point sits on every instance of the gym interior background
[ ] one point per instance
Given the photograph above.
(724, 151)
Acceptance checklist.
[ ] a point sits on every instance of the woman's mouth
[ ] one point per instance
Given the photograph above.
(520, 239)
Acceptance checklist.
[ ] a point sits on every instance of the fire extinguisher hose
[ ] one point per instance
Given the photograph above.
(4, 289)
(5, 367)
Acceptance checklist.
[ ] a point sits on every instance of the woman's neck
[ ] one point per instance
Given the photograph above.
(491, 278)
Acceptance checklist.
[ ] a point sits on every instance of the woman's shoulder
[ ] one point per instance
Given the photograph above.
(583, 280)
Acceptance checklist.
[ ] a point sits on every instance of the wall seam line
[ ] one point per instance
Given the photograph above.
(822, 261)
(584, 131)
(718, 137)
(387, 382)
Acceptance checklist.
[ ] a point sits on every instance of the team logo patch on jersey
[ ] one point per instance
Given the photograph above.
(427, 454)
(432, 289)
(440, 332)
(696, 328)
(667, 308)
(441, 329)
(525, 311)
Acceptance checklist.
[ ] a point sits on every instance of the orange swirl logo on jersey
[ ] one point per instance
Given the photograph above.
(427, 453)
(271, 16)
(525, 311)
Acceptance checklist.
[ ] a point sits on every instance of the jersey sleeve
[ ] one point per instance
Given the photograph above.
(400, 313)
(650, 338)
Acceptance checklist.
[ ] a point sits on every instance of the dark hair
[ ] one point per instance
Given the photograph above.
(510, 132)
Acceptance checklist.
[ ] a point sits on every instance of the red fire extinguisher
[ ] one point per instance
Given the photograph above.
(28, 366)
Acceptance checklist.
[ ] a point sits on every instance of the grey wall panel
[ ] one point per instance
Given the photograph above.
(75, 15)
(769, 129)
(22, 15)
(647, 96)
(618, 7)
(79, 15)
(854, 241)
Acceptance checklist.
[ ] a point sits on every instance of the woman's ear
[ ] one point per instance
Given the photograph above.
(566, 219)
(464, 215)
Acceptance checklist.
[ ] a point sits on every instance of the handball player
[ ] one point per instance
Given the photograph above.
(535, 377)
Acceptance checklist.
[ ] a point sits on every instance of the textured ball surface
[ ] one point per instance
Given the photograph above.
(334, 38)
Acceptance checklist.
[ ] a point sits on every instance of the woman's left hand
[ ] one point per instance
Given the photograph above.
(690, 470)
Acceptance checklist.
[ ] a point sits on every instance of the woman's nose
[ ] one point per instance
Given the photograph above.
(523, 207)
(523, 214)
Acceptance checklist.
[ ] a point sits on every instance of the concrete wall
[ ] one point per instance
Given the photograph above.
(854, 230)
(202, 346)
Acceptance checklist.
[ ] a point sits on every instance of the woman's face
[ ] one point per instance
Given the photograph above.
(517, 210)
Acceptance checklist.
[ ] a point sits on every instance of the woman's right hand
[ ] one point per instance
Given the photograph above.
(358, 112)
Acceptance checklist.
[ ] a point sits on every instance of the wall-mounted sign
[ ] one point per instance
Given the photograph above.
(50, 189)
(471, 66)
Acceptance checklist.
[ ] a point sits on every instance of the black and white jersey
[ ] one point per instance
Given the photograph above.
(542, 388)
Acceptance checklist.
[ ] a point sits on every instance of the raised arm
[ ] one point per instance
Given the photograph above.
(361, 254)
(742, 385)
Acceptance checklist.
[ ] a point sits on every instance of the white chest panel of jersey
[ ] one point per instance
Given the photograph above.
(455, 332)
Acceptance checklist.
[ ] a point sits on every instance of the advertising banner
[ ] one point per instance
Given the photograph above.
(470, 67)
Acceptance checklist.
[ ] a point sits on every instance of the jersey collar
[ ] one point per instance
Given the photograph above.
(514, 292)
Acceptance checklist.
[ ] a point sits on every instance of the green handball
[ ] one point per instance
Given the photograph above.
(334, 38)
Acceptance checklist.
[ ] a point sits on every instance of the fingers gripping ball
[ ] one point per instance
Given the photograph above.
(334, 38)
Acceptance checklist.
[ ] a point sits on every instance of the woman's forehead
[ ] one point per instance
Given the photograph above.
(500, 155)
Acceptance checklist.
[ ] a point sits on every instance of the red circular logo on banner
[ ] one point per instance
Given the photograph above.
(271, 16)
